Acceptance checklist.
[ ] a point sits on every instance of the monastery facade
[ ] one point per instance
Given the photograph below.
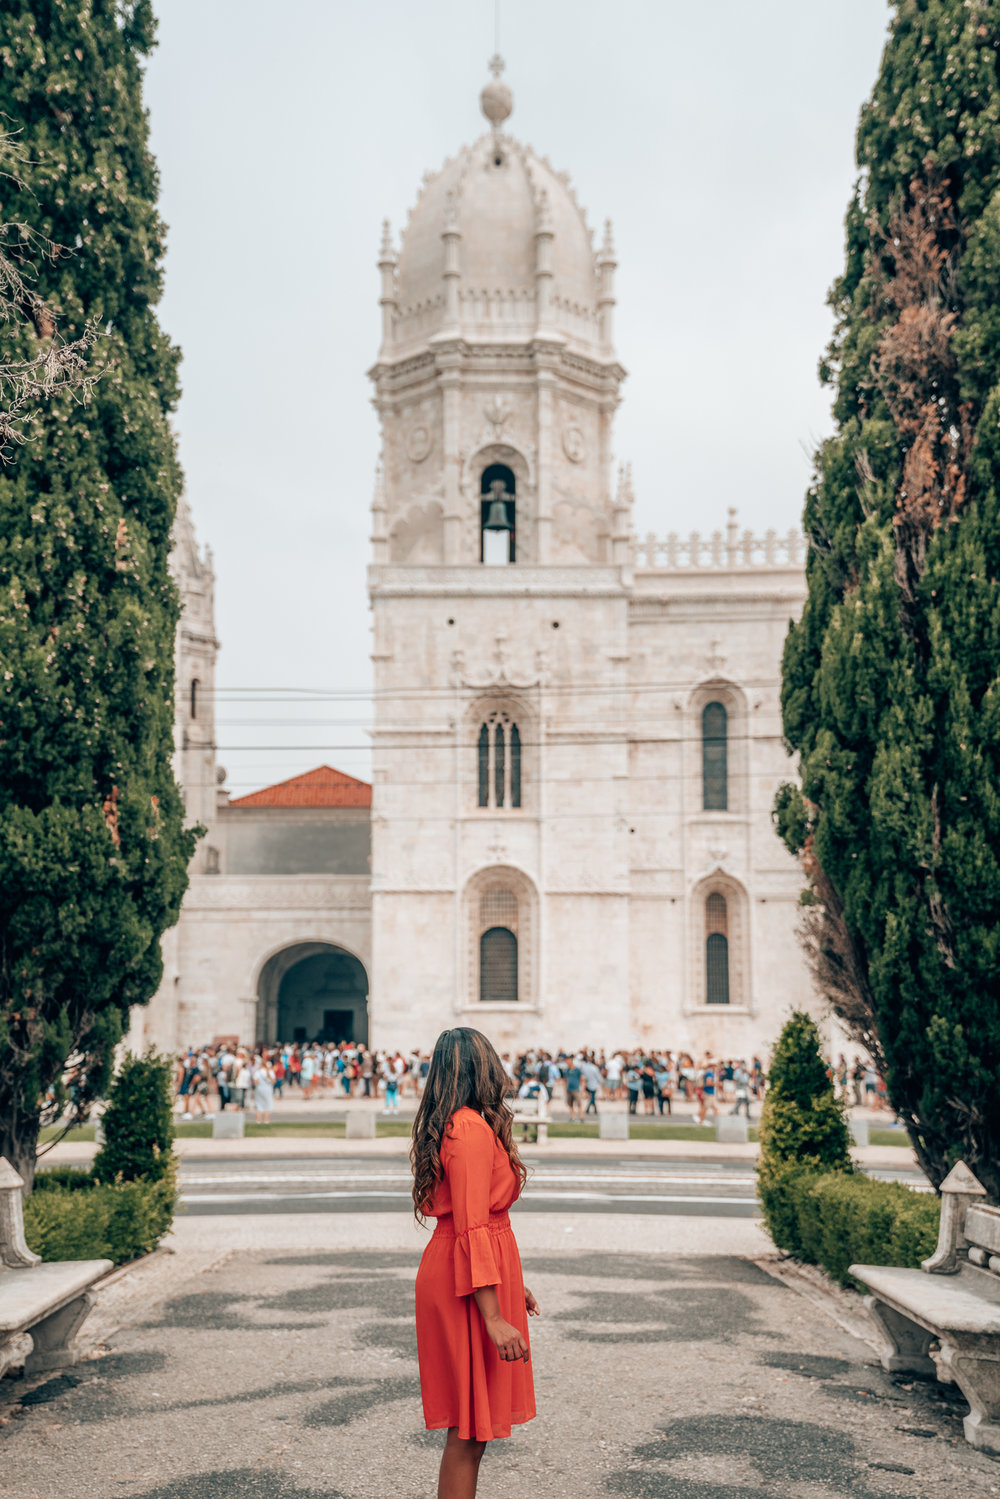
(577, 733)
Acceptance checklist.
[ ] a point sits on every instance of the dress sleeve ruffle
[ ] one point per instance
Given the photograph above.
(476, 1262)
(467, 1158)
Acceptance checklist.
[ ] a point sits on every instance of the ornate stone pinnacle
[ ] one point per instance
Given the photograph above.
(496, 100)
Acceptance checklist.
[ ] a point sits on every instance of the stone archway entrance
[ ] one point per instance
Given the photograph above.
(313, 991)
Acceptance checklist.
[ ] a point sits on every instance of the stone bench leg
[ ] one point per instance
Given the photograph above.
(15, 1347)
(976, 1371)
(542, 1134)
(905, 1344)
(54, 1335)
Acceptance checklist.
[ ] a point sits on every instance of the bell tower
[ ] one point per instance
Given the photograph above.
(500, 577)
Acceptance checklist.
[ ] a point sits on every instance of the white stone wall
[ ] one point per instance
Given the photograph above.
(702, 634)
(229, 928)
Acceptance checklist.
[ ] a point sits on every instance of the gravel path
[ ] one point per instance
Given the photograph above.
(287, 1371)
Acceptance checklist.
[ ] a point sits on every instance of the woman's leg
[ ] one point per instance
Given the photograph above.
(459, 1467)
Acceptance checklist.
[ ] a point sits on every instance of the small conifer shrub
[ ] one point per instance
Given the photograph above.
(803, 1131)
(138, 1122)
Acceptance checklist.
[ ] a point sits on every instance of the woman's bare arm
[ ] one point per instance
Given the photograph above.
(506, 1339)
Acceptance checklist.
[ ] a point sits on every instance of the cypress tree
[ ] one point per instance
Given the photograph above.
(890, 691)
(93, 851)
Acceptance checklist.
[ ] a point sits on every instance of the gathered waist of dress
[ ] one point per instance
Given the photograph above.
(446, 1225)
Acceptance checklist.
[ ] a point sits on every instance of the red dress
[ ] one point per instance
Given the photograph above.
(463, 1380)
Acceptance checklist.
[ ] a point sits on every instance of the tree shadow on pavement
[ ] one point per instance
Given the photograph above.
(759, 1458)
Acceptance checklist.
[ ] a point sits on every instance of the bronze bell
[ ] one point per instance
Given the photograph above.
(496, 517)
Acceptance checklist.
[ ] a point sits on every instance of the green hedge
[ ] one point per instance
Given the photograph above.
(840, 1218)
(69, 1216)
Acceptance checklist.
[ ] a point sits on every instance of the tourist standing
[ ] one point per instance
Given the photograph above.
(591, 1081)
(706, 1091)
(243, 1079)
(391, 1087)
(741, 1082)
(664, 1087)
(574, 1082)
(633, 1082)
(263, 1089)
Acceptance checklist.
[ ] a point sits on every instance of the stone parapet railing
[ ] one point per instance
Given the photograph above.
(730, 548)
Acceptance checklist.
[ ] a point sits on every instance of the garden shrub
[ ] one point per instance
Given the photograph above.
(816, 1206)
(803, 1130)
(73, 1178)
(66, 1218)
(836, 1220)
(124, 1205)
(138, 1122)
(802, 1120)
(780, 1188)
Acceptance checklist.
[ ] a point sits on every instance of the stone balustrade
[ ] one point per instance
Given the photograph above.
(726, 549)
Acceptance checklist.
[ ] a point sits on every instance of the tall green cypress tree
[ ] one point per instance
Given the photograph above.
(891, 691)
(93, 852)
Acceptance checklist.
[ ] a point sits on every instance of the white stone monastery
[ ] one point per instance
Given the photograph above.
(577, 734)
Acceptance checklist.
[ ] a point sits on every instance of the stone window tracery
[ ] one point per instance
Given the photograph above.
(498, 762)
(498, 946)
(716, 949)
(500, 911)
(714, 748)
(719, 945)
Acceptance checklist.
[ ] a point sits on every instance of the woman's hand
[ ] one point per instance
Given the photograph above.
(508, 1342)
(534, 1310)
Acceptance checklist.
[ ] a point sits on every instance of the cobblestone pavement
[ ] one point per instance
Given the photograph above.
(283, 1374)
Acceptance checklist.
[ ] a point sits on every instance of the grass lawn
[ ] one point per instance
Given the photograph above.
(394, 1129)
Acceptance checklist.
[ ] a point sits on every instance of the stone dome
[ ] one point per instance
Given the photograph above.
(497, 195)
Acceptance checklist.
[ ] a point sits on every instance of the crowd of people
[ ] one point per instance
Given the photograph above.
(225, 1076)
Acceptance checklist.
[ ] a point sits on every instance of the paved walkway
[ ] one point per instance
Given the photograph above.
(284, 1368)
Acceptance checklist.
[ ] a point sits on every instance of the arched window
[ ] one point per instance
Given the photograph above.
(498, 966)
(716, 950)
(498, 946)
(498, 762)
(195, 684)
(497, 515)
(715, 797)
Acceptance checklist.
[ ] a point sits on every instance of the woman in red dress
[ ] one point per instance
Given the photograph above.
(472, 1304)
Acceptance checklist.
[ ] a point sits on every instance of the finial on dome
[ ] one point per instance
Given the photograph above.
(496, 100)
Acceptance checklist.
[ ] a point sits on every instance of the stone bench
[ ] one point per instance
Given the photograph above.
(42, 1306)
(532, 1113)
(954, 1298)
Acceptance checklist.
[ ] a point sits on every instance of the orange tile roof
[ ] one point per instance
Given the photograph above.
(322, 787)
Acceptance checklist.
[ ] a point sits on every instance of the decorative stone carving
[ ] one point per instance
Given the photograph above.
(500, 674)
(419, 443)
(498, 413)
(573, 443)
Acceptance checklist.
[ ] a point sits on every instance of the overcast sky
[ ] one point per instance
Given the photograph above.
(719, 139)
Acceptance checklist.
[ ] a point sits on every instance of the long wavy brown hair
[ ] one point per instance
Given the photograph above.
(465, 1073)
